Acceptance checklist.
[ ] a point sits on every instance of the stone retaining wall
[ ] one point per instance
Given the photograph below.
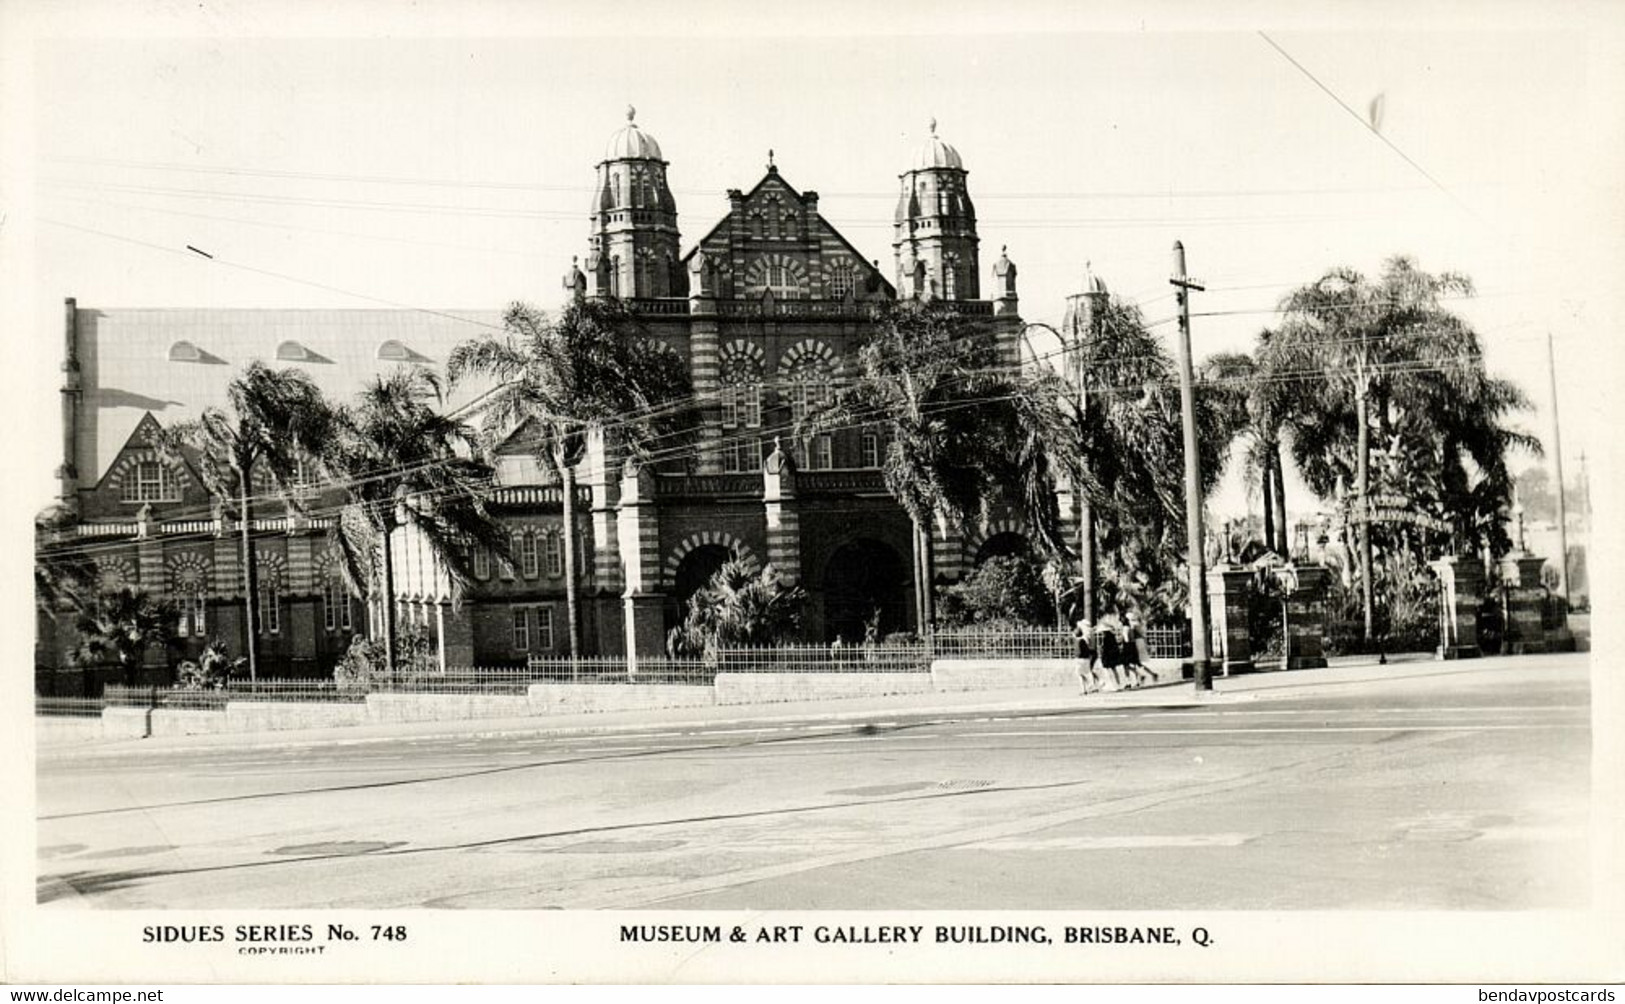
(51, 730)
(1003, 674)
(172, 722)
(773, 688)
(270, 716)
(576, 698)
(390, 708)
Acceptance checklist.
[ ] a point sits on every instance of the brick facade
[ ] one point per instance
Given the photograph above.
(767, 309)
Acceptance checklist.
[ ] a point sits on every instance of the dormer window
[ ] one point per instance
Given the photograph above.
(185, 352)
(293, 352)
(394, 351)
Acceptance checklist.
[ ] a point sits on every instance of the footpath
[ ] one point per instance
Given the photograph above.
(1415, 674)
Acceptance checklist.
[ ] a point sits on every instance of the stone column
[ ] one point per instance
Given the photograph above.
(598, 473)
(643, 606)
(783, 521)
(1306, 618)
(1522, 595)
(1461, 591)
(1229, 588)
(704, 346)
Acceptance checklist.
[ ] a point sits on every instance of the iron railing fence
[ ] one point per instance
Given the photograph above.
(613, 669)
(892, 658)
(1003, 643)
(1172, 642)
(69, 707)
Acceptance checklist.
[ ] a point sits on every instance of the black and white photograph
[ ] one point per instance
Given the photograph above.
(529, 492)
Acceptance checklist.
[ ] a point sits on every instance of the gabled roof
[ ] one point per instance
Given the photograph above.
(772, 176)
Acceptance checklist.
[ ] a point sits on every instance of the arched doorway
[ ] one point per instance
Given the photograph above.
(695, 571)
(864, 577)
(1008, 544)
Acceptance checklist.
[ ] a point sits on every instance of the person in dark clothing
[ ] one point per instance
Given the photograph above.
(1137, 655)
(1084, 635)
(1111, 653)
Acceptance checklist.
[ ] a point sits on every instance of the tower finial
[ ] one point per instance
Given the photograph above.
(933, 125)
(631, 113)
(770, 158)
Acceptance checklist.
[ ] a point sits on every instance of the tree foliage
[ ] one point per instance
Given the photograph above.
(1437, 420)
(963, 431)
(1006, 589)
(402, 462)
(1130, 459)
(119, 626)
(740, 606)
(561, 379)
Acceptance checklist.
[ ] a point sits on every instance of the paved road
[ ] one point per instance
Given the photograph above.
(1436, 791)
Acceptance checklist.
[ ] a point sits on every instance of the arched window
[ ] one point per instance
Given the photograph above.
(950, 277)
(841, 278)
(335, 604)
(149, 480)
(270, 605)
(528, 555)
(188, 589)
(555, 555)
(740, 397)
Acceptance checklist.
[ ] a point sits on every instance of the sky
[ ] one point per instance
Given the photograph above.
(406, 155)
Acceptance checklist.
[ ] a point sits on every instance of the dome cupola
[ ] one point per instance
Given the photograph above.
(631, 143)
(935, 153)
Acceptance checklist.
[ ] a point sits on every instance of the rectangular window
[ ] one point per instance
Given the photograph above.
(482, 562)
(555, 555)
(870, 450)
(544, 629)
(752, 405)
(521, 629)
(741, 456)
(527, 553)
(729, 400)
(823, 453)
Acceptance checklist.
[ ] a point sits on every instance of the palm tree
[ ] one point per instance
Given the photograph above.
(560, 379)
(275, 419)
(401, 462)
(741, 605)
(963, 432)
(123, 623)
(1254, 400)
(1129, 464)
(1383, 357)
(64, 577)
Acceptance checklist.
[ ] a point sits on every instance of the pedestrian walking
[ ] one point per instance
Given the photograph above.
(1110, 647)
(1137, 652)
(1084, 636)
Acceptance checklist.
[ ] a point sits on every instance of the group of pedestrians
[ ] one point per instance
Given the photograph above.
(1113, 654)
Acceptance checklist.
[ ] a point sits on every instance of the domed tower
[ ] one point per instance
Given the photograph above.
(634, 243)
(1085, 311)
(935, 236)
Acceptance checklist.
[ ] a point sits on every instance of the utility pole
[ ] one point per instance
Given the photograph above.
(1193, 476)
(1557, 465)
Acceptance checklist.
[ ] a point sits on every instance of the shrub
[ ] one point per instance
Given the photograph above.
(212, 671)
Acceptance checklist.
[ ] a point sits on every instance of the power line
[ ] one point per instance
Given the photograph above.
(1149, 193)
(1371, 128)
